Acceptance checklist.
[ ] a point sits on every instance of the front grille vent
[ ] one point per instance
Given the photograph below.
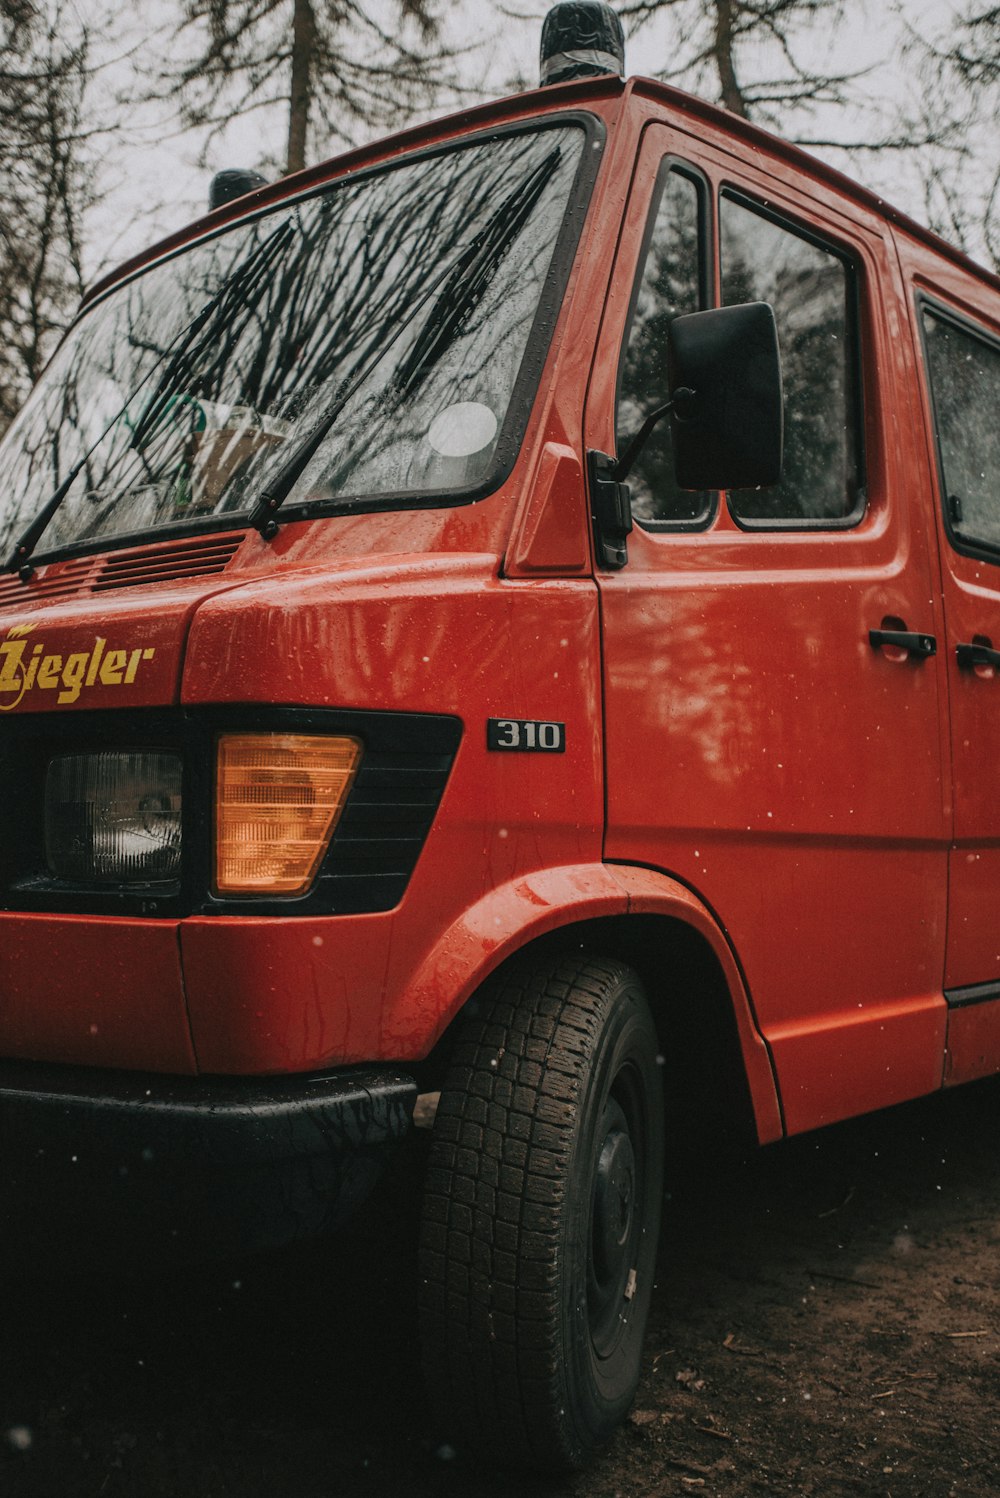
(199, 558)
(128, 569)
(62, 582)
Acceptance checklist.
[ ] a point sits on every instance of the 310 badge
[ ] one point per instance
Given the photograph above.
(525, 735)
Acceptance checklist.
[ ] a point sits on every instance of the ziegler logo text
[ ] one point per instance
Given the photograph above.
(25, 667)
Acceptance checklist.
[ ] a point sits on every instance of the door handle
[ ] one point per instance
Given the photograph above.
(977, 655)
(904, 639)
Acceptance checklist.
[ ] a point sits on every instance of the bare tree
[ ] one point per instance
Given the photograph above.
(767, 61)
(337, 66)
(43, 190)
(713, 42)
(959, 75)
(974, 53)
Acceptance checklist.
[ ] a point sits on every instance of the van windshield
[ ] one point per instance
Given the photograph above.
(362, 346)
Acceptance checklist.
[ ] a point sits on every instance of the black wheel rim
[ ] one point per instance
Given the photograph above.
(617, 1209)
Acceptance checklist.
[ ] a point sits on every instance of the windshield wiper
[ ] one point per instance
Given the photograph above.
(472, 276)
(462, 286)
(236, 286)
(234, 293)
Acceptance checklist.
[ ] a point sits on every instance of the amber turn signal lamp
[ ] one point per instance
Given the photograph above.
(278, 797)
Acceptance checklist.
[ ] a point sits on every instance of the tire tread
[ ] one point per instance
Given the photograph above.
(491, 1225)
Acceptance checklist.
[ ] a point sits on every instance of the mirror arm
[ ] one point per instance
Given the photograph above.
(610, 501)
(682, 401)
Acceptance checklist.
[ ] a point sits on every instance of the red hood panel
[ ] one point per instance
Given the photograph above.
(95, 653)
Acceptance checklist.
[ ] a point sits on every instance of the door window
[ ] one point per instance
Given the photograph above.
(670, 282)
(965, 385)
(812, 288)
(812, 291)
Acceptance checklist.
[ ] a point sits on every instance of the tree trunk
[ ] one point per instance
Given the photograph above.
(732, 95)
(300, 97)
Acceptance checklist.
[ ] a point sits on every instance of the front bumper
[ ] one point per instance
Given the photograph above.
(100, 1164)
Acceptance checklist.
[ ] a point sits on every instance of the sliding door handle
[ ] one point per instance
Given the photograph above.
(977, 655)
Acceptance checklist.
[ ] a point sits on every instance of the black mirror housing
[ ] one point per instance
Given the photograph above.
(724, 372)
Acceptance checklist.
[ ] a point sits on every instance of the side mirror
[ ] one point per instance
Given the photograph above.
(724, 374)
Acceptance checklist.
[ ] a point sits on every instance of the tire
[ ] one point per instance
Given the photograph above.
(541, 1214)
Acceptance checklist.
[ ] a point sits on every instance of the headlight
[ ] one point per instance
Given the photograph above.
(278, 797)
(114, 817)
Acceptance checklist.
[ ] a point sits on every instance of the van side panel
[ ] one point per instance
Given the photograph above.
(759, 748)
(960, 314)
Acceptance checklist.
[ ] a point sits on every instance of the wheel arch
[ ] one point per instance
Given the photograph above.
(717, 1062)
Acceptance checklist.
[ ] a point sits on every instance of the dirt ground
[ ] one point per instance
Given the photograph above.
(827, 1322)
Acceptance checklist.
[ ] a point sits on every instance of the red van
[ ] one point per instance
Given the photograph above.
(389, 705)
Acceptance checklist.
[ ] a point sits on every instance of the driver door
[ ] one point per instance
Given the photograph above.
(759, 747)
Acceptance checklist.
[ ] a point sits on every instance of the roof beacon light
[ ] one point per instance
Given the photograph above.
(581, 39)
(233, 182)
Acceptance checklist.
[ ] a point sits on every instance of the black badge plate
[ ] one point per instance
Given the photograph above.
(525, 736)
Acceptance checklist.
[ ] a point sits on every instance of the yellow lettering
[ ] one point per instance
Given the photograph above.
(10, 671)
(73, 675)
(29, 680)
(95, 659)
(112, 667)
(84, 668)
(48, 671)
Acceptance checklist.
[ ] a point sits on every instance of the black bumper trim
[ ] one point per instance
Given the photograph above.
(202, 1165)
(239, 1121)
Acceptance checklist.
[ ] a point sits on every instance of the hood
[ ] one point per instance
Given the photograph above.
(90, 633)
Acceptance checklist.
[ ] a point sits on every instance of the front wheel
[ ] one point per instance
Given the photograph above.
(541, 1214)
